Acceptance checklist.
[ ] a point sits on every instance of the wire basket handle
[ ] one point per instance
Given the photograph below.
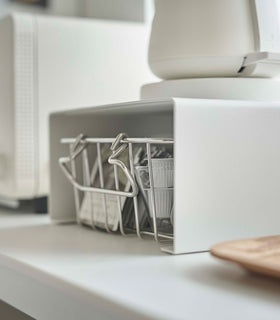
(118, 146)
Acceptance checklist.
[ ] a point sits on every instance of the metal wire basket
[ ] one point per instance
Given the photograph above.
(89, 151)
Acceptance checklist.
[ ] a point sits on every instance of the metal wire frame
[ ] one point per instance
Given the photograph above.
(79, 146)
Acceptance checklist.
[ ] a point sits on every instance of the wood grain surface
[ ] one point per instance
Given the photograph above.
(261, 255)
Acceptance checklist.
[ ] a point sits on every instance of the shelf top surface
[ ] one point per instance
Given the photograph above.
(132, 273)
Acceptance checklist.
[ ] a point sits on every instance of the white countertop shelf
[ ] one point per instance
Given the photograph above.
(69, 272)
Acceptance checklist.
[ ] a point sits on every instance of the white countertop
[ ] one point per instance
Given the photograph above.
(69, 272)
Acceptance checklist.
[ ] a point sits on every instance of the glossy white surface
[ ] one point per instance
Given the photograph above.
(69, 272)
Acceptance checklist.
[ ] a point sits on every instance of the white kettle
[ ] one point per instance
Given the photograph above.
(215, 38)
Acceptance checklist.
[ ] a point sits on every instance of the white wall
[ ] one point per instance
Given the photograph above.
(7, 6)
(128, 10)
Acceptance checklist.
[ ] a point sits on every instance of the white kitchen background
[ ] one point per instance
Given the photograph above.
(128, 10)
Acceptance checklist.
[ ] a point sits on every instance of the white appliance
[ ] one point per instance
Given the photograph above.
(49, 64)
(198, 38)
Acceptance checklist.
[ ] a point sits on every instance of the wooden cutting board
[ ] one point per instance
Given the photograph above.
(261, 255)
